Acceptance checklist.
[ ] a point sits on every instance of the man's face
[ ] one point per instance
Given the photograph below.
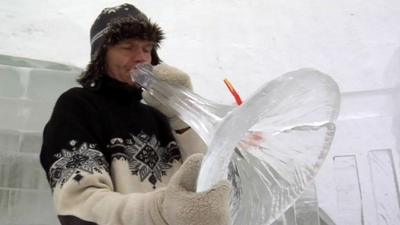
(125, 56)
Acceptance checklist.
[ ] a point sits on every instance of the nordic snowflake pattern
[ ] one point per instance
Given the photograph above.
(81, 158)
(146, 158)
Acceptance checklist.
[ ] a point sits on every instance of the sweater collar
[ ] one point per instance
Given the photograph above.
(118, 90)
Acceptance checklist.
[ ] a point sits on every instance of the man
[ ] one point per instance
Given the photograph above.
(111, 159)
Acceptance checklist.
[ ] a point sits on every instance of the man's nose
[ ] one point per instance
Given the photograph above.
(139, 56)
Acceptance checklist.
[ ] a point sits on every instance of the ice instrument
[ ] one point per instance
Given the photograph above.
(269, 148)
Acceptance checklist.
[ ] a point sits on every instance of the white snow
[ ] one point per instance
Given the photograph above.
(249, 42)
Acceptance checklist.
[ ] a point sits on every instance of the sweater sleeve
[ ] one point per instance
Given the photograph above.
(190, 143)
(74, 160)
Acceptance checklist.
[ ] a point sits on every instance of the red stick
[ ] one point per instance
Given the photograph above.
(233, 91)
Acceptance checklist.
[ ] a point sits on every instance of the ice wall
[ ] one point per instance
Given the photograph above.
(359, 183)
(249, 41)
(28, 89)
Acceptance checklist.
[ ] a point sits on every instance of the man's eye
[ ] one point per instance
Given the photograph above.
(148, 49)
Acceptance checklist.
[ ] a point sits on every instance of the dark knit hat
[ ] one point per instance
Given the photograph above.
(113, 25)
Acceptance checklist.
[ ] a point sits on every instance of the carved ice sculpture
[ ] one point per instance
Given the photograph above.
(270, 147)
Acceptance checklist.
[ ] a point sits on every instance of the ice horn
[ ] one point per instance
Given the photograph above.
(188, 105)
(292, 120)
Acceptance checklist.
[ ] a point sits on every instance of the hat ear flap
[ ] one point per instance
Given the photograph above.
(155, 59)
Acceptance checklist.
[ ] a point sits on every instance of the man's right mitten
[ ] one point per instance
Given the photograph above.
(182, 205)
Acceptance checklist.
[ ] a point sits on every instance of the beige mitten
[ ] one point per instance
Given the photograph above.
(183, 206)
(172, 76)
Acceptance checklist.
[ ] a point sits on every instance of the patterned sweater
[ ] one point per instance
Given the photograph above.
(104, 151)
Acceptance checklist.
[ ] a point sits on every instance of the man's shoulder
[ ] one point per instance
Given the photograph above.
(76, 93)
(76, 96)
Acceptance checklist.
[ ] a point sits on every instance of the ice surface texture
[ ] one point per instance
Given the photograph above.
(270, 148)
(28, 91)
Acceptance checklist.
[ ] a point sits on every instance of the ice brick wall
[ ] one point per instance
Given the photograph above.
(28, 90)
(359, 182)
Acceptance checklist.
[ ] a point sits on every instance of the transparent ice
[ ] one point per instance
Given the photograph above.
(270, 148)
(28, 91)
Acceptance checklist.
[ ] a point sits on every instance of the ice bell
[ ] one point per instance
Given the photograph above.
(292, 118)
